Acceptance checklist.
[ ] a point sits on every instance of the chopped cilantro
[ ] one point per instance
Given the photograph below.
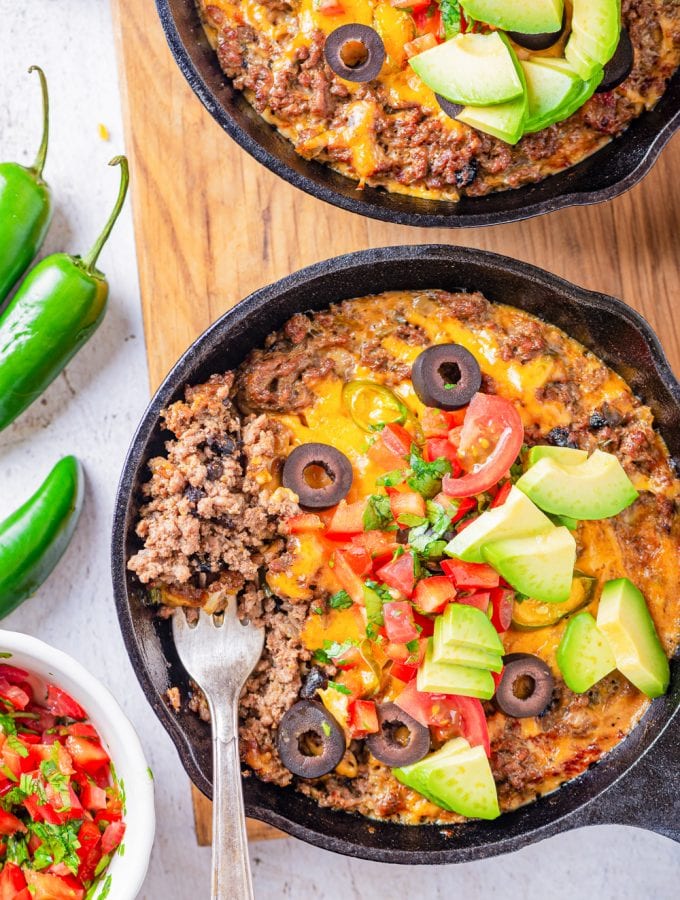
(451, 19)
(381, 590)
(390, 479)
(378, 513)
(410, 520)
(341, 600)
(412, 646)
(326, 728)
(317, 610)
(320, 656)
(426, 477)
(17, 848)
(59, 844)
(339, 687)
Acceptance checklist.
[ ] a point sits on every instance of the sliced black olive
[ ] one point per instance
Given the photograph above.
(526, 686)
(310, 742)
(313, 682)
(355, 52)
(402, 740)
(319, 474)
(451, 109)
(561, 437)
(619, 66)
(446, 376)
(539, 41)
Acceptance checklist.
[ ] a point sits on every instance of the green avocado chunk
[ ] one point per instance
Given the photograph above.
(596, 28)
(595, 489)
(624, 619)
(550, 93)
(458, 778)
(472, 69)
(462, 654)
(540, 566)
(446, 678)
(517, 15)
(517, 516)
(469, 627)
(566, 456)
(584, 655)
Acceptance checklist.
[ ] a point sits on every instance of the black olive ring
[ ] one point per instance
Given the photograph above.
(446, 376)
(538, 683)
(619, 66)
(334, 463)
(539, 41)
(385, 744)
(451, 109)
(355, 52)
(308, 717)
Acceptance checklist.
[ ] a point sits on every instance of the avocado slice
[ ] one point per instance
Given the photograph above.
(462, 654)
(596, 489)
(540, 565)
(467, 626)
(445, 678)
(567, 456)
(416, 775)
(596, 28)
(584, 655)
(624, 619)
(465, 784)
(517, 15)
(549, 93)
(517, 516)
(587, 90)
(472, 69)
(529, 614)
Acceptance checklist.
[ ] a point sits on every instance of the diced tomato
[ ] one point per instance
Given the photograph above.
(89, 852)
(10, 824)
(13, 674)
(425, 623)
(396, 652)
(407, 503)
(329, 7)
(92, 797)
(503, 601)
(399, 623)
(420, 45)
(403, 671)
(347, 577)
(44, 886)
(363, 718)
(438, 422)
(480, 599)
(429, 21)
(465, 505)
(14, 694)
(497, 677)
(359, 559)
(436, 448)
(80, 729)
(469, 576)
(44, 720)
(62, 704)
(378, 544)
(113, 836)
(490, 442)
(410, 4)
(11, 881)
(432, 594)
(348, 519)
(501, 495)
(428, 709)
(392, 447)
(86, 754)
(43, 812)
(473, 721)
(399, 573)
(303, 522)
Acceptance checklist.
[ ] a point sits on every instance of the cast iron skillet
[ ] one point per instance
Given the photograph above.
(603, 176)
(635, 783)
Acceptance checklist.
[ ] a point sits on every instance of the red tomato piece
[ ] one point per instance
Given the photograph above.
(473, 721)
(403, 672)
(410, 4)
(89, 852)
(304, 522)
(9, 824)
(399, 623)
(429, 21)
(407, 503)
(44, 886)
(399, 573)
(113, 836)
(501, 495)
(480, 599)
(378, 544)
(347, 577)
(86, 754)
(363, 718)
(92, 797)
(438, 448)
(490, 441)
(81, 729)
(469, 576)
(348, 519)
(14, 694)
(13, 674)
(428, 709)
(432, 594)
(392, 447)
(439, 422)
(420, 45)
(497, 677)
(396, 652)
(359, 559)
(11, 881)
(425, 623)
(503, 601)
(62, 704)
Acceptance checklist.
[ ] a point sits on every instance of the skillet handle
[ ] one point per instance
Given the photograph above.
(647, 796)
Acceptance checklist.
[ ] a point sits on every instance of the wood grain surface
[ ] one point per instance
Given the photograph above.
(212, 225)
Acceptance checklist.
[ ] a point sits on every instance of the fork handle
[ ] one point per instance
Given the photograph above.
(231, 865)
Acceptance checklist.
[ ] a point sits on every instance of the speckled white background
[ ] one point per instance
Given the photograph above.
(92, 411)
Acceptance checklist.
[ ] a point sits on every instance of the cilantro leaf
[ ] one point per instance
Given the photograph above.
(412, 646)
(426, 477)
(320, 656)
(339, 687)
(411, 520)
(341, 600)
(451, 18)
(378, 513)
(390, 479)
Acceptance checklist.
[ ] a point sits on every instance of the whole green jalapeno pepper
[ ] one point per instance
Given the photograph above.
(34, 538)
(55, 311)
(25, 208)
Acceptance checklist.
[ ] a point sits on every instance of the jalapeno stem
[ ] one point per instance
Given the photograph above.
(90, 261)
(39, 163)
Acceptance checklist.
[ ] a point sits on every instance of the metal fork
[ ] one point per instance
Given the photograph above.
(220, 657)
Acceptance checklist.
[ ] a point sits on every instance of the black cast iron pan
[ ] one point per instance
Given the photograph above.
(636, 784)
(603, 176)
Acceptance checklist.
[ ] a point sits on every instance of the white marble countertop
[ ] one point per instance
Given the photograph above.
(92, 410)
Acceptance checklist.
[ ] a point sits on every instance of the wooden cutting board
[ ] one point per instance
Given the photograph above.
(212, 225)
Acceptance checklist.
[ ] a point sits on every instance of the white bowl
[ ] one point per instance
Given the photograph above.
(122, 744)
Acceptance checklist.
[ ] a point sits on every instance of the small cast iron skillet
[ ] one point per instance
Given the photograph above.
(603, 176)
(635, 784)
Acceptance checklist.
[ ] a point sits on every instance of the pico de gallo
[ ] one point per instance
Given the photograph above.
(61, 806)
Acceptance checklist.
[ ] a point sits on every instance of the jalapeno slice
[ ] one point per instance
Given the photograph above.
(372, 405)
(531, 614)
